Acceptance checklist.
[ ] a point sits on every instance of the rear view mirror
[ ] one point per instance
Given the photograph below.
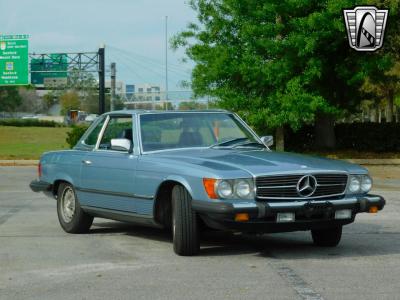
(120, 144)
(268, 140)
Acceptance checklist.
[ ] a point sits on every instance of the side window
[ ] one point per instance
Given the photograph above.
(91, 139)
(117, 128)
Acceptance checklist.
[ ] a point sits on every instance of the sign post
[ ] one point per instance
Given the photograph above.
(14, 60)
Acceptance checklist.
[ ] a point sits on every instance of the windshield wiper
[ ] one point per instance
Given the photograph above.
(229, 142)
(252, 144)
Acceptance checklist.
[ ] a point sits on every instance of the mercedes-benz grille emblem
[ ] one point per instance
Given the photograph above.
(306, 185)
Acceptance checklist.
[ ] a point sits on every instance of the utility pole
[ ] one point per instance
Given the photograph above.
(113, 78)
(166, 58)
(102, 72)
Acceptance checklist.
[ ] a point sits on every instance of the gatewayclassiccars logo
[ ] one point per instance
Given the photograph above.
(365, 27)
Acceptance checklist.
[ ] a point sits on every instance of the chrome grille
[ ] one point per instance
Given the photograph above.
(285, 186)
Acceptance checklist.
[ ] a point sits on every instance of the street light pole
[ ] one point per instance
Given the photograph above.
(102, 72)
(166, 59)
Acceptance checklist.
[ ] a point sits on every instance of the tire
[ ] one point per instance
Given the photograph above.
(327, 237)
(185, 225)
(70, 214)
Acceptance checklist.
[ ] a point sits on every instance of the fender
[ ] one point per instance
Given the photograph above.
(181, 180)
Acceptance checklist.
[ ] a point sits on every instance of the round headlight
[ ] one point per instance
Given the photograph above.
(366, 184)
(242, 189)
(354, 185)
(224, 189)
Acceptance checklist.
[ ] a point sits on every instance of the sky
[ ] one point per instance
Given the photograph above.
(133, 32)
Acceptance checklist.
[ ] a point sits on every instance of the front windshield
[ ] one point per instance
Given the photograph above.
(161, 131)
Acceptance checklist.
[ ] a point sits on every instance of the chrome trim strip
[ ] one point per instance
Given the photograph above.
(300, 198)
(123, 212)
(100, 136)
(293, 186)
(117, 194)
(276, 187)
(301, 203)
(245, 205)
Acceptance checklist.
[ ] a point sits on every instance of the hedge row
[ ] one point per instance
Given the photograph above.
(371, 137)
(75, 134)
(29, 123)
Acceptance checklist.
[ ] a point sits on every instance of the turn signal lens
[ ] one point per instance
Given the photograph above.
(209, 186)
(242, 217)
(373, 209)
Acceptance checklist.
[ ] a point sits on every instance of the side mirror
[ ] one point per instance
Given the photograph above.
(120, 144)
(267, 140)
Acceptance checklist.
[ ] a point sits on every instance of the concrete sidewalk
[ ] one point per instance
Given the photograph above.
(364, 162)
(19, 163)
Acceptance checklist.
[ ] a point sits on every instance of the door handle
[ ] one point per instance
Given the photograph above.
(86, 162)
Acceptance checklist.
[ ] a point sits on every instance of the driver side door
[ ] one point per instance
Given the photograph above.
(107, 174)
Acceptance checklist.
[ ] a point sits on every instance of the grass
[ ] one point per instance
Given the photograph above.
(30, 142)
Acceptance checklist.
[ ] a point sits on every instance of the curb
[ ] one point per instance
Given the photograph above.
(18, 163)
(376, 162)
(364, 162)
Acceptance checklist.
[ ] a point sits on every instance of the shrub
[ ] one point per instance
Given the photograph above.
(29, 123)
(75, 134)
(371, 137)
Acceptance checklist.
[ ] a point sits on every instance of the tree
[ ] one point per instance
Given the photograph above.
(9, 98)
(30, 102)
(383, 83)
(190, 105)
(69, 101)
(86, 86)
(277, 62)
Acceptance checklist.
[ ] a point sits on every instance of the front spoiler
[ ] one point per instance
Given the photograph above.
(309, 214)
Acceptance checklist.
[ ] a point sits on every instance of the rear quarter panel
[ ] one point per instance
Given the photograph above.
(62, 165)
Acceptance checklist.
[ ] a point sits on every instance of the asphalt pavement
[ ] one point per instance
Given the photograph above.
(38, 260)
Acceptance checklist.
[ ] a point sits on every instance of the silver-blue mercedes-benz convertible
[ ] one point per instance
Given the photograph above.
(196, 169)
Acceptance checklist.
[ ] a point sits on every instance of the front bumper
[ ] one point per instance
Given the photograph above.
(41, 186)
(313, 214)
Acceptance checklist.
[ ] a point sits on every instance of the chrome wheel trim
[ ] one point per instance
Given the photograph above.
(68, 201)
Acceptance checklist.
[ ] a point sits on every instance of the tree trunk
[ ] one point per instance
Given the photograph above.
(280, 139)
(325, 131)
(389, 109)
(373, 115)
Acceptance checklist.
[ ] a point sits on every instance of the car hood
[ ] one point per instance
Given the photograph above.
(258, 162)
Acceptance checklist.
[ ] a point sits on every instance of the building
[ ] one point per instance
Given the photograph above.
(148, 92)
(120, 87)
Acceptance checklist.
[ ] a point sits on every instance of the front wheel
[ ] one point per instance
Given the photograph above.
(185, 227)
(70, 214)
(327, 237)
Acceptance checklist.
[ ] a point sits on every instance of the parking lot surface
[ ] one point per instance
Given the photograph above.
(121, 261)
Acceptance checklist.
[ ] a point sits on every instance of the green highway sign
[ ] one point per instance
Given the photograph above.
(54, 62)
(14, 59)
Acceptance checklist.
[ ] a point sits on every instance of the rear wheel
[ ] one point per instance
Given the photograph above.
(327, 237)
(70, 214)
(185, 226)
